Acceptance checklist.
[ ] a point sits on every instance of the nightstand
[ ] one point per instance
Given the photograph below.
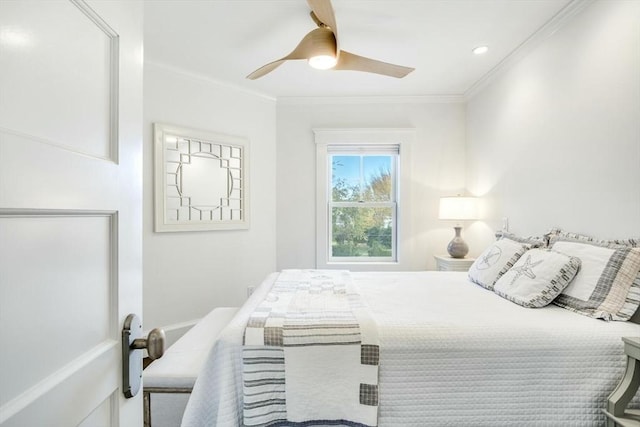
(626, 389)
(446, 263)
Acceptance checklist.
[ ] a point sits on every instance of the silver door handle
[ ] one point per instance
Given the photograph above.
(131, 359)
(154, 343)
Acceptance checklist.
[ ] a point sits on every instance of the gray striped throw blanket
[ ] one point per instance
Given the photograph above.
(311, 354)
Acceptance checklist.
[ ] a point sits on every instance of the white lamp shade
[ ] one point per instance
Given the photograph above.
(458, 208)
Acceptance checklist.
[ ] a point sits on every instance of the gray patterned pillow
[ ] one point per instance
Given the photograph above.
(556, 232)
(608, 284)
(633, 243)
(553, 232)
(495, 261)
(537, 278)
(533, 241)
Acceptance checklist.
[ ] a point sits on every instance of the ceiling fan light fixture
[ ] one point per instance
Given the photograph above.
(323, 62)
(322, 51)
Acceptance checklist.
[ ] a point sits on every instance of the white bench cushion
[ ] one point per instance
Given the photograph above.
(181, 363)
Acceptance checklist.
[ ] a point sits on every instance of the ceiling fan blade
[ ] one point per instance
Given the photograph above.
(316, 41)
(350, 61)
(323, 12)
(265, 69)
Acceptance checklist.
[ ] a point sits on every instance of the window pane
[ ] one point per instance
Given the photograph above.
(361, 178)
(362, 232)
(345, 178)
(377, 176)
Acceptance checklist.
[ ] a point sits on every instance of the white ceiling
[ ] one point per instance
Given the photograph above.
(226, 40)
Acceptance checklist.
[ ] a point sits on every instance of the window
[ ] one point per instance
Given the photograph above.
(362, 204)
(361, 218)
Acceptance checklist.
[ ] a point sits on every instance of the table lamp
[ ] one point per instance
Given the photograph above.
(458, 208)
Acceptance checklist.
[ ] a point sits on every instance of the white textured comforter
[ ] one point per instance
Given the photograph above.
(453, 353)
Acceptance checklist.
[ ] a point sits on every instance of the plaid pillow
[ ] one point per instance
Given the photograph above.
(556, 232)
(608, 284)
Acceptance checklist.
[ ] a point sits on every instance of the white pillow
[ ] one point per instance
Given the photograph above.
(537, 278)
(495, 261)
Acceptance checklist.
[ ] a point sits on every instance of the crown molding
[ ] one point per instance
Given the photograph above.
(558, 20)
(359, 100)
(206, 79)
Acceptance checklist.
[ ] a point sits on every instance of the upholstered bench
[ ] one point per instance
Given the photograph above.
(168, 381)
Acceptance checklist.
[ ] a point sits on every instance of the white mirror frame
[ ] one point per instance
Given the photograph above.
(201, 180)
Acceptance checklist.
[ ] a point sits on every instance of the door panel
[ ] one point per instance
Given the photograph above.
(71, 394)
(70, 209)
(42, 176)
(57, 40)
(69, 255)
(101, 416)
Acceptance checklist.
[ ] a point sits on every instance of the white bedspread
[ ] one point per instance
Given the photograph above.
(453, 353)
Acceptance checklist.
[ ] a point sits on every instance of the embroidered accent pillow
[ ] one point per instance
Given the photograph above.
(608, 284)
(495, 261)
(537, 278)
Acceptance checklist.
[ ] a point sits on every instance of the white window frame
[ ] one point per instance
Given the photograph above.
(326, 138)
(362, 150)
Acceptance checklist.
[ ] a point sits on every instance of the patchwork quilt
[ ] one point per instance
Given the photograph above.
(311, 354)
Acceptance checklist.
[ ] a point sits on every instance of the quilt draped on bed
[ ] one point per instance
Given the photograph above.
(311, 354)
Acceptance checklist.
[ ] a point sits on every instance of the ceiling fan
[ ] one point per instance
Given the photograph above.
(321, 48)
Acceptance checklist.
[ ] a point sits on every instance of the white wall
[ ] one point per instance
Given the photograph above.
(438, 168)
(555, 141)
(187, 274)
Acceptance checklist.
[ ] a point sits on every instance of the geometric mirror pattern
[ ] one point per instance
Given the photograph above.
(200, 180)
(204, 180)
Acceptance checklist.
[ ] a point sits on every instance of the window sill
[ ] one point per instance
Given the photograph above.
(363, 266)
(363, 263)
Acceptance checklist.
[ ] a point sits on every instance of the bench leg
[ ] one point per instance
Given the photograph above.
(146, 402)
(146, 399)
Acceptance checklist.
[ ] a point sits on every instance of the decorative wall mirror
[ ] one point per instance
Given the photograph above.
(200, 180)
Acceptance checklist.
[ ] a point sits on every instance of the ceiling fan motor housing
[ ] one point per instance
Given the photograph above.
(322, 42)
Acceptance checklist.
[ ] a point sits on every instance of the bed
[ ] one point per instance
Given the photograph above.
(452, 353)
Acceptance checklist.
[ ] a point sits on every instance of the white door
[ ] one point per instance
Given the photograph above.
(70, 209)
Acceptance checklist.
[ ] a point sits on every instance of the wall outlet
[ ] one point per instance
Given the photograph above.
(250, 290)
(505, 224)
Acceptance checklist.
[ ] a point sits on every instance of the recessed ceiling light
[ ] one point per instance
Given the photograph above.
(480, 50)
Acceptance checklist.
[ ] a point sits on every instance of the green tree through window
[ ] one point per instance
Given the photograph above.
(363, 206)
